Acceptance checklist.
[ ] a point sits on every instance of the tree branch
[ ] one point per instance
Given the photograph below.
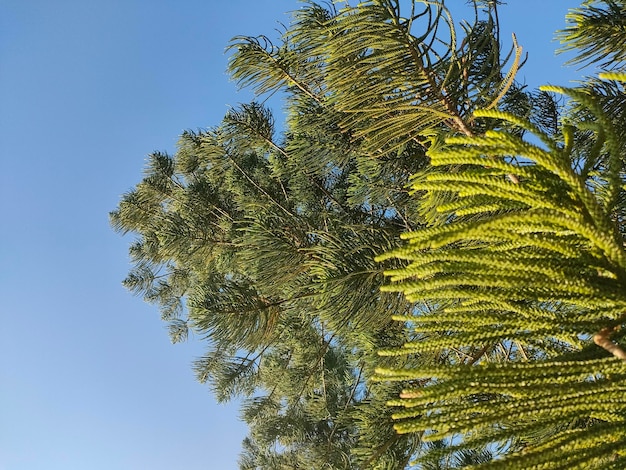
(601, 338)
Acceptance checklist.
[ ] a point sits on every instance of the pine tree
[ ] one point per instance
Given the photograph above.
(526, 257)
(264, 244)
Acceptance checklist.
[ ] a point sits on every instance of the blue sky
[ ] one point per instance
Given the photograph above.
(88, 378)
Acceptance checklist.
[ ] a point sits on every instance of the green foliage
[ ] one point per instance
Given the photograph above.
(596, 32)
(508, 291)
(530, 260)
(264, 248)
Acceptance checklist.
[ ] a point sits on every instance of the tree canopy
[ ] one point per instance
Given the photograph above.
(424, 266)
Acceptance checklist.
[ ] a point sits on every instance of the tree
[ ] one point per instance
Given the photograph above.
(533, 265)
(264, 246)
(237, 246)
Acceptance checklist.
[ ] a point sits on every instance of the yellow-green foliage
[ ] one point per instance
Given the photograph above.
(528, 261)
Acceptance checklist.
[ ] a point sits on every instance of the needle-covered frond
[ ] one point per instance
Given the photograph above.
(266, 67)
(529, 259)
(397, 73)
(596, 33)
(391, 74)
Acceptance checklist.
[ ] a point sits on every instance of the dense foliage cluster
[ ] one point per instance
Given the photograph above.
(426, 267)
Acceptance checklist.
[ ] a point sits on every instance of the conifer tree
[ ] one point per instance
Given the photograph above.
(527, 257)
(264, 244)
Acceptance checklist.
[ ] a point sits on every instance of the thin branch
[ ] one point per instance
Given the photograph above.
(348, 401)
(254, 183)
(479, 354)
(318, 362)
(602, 339)
(291, 79)
(381, 450)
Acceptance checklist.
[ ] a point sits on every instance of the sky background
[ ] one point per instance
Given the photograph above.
(88, 377)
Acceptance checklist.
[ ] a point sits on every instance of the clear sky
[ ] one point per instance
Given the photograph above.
(88, 378)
